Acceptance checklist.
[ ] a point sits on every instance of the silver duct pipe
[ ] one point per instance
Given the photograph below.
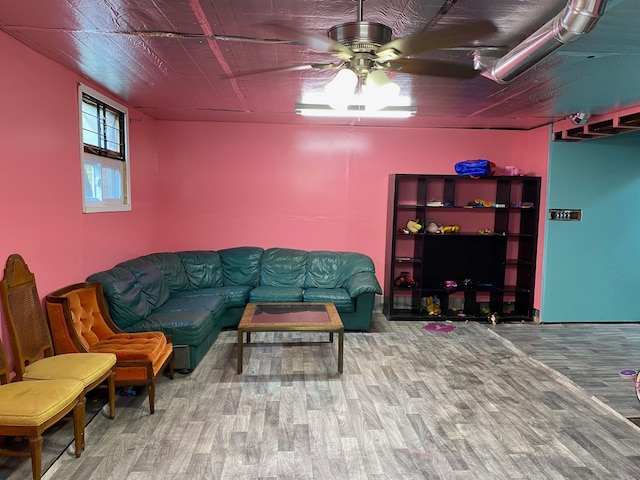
(576, 19)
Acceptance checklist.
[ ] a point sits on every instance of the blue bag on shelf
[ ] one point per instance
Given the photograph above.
(475, 168)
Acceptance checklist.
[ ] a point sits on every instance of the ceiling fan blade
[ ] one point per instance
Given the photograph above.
(316, 42)
(434, 39)
(434, 68)
(293, 68)
(202, 36)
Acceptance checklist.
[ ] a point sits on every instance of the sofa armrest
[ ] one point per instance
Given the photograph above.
(362, 282)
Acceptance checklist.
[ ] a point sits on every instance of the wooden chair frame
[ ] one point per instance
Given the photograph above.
(28, 327)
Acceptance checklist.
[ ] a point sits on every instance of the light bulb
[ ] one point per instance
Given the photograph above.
(379, 91)
(340, 90)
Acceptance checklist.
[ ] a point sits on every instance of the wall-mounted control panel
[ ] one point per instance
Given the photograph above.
(565, 215)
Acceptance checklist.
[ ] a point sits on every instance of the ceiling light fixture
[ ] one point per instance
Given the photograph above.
(361, 95)
(377, 91)
(355, 111)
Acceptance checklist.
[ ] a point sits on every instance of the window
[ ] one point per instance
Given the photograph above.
(105, 159)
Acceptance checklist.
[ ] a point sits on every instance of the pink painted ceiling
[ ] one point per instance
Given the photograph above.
(180, 59)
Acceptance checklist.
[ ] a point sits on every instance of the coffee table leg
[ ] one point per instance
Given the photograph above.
(340, 349)
(240, 341)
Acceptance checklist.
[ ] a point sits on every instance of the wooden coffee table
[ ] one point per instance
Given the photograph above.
(290, 317)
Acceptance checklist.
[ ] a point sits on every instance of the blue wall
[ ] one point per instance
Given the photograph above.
(592, 268)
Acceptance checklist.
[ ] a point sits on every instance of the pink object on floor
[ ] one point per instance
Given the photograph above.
(439, 327)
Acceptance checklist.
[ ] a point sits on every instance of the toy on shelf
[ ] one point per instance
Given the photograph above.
(480, 203)
(450, 284)
(413, 226)
(433, 306)
(485, 231)
(512, 171)
(448, 229)
(431, 226)
(405, 280)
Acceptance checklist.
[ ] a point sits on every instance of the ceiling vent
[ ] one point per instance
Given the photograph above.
(577, 18)
(596, 126)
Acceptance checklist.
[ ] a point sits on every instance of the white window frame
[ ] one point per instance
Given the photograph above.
(123, 203)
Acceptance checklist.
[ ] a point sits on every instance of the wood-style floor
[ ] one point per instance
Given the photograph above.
(473, 403)
(592, 355)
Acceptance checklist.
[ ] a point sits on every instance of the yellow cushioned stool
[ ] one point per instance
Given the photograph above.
(88, 369)
(27, 409)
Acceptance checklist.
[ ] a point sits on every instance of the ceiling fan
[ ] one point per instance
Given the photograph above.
(365, 47)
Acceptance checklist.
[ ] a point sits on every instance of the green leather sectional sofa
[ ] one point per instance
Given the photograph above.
(193, 295)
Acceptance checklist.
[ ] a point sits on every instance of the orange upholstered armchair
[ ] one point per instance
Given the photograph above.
(80, 322)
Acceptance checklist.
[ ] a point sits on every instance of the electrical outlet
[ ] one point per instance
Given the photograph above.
(565, 215)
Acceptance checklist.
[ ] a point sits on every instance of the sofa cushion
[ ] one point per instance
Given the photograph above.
(276, 294)
(283, 267)
(324, 269)
(171, 267)
(127, 304)
(187, 327)
(241, 265)
(201, 292)
(331, 269)
(354, 262)
(233, 296)
(237, 296)
(150, 278)
(203, 268)
(214, 303)
(338, 296)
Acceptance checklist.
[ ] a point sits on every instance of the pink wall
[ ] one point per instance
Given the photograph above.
(308, 187)
(40, 191)
(199, 185)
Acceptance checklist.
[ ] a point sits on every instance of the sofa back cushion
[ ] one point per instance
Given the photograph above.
(127, 304)
(327, 269)
(241, 265)
(171, 267)
(203, 268)
(283, 267)
(354, 262)
(150, 278)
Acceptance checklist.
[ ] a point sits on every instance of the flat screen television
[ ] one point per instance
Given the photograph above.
(479, 258)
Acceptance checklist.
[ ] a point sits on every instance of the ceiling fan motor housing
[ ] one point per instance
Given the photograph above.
(363, 38)
(360, 36)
